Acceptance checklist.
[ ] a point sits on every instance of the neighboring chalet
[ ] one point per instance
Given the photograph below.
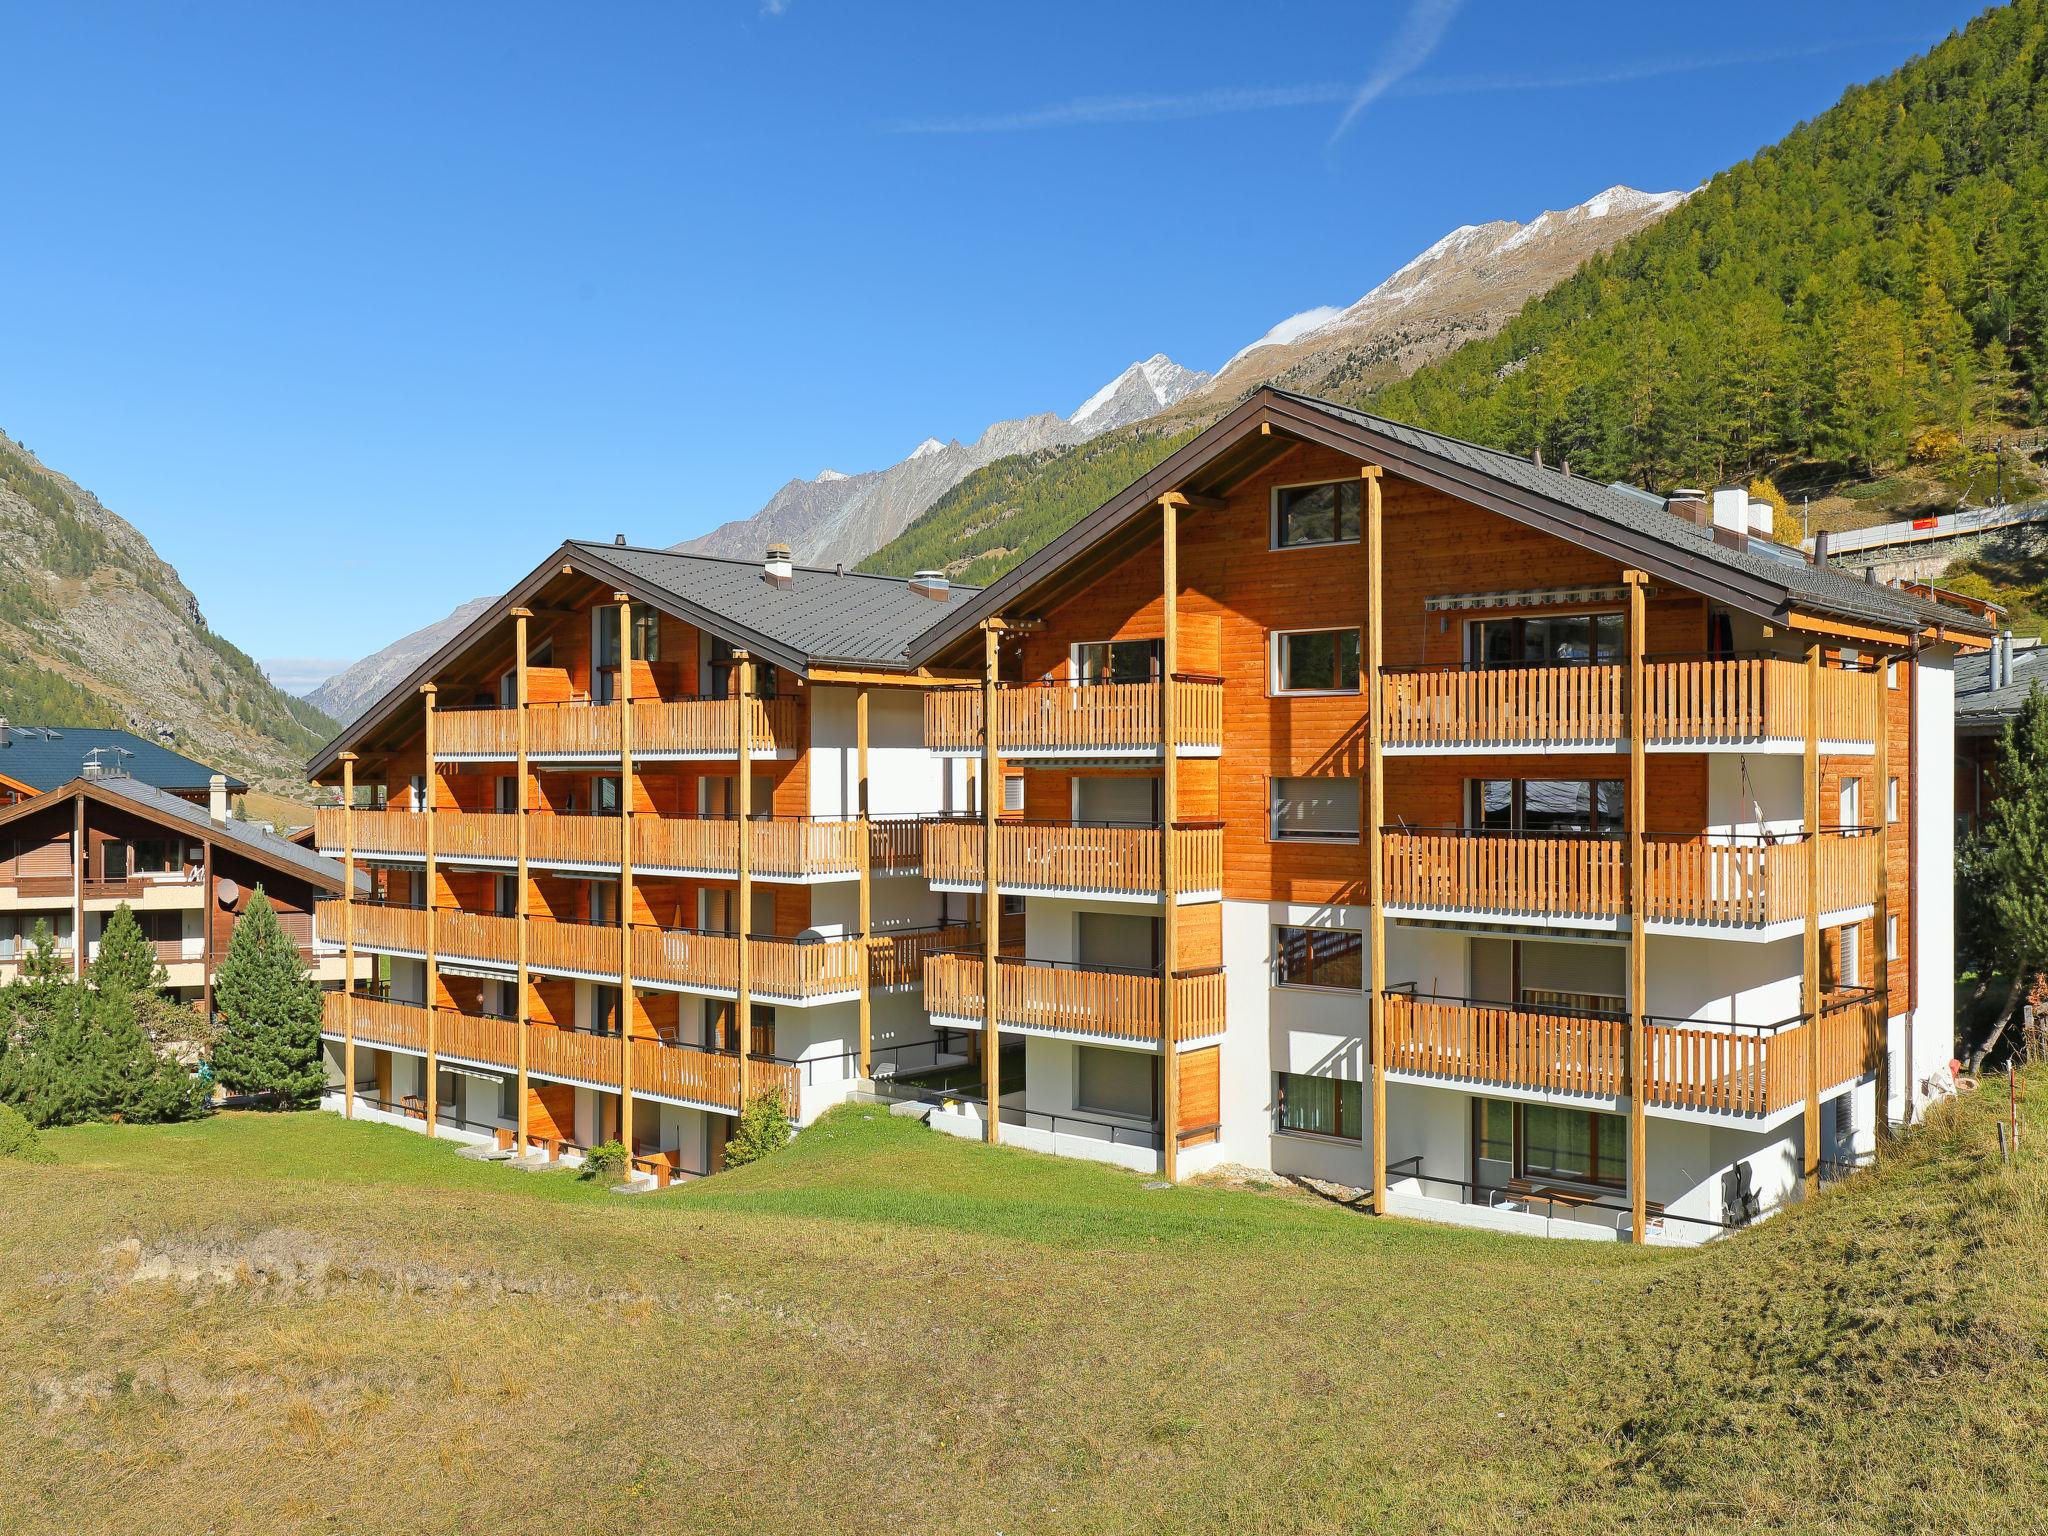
(1540, 855)
(1990, 688)
(35, 759)
(74, 853)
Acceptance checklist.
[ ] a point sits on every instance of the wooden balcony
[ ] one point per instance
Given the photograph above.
(1105, 1005)
(1070, 858)
(783, 970)
(581, 731)
(1755, 703)
(1687, 882)
(661, 1068)
(1710, 1068)
(1077, 721)
(897, 959)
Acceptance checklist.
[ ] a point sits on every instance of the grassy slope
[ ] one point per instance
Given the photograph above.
(905, 1332)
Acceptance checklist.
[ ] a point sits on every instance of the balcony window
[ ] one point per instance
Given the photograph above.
(1117, 661)
(1315, 661)
(1551, 640)
(1307, 515)
(1546, 805)
(1573, 1144)
(722, 1027)
(155, 856)
(1320, 1106)
(114, 861)
(1313, 810)
(1319, 957)
(1112, 1082)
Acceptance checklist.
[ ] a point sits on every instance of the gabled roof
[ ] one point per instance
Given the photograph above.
(1981, 708)
(821, 618)
(252, 838)
(1627, 527)
(42, 757)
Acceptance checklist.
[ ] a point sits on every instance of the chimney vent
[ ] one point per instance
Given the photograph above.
(217, 798)
(1820, 547)
(1731, 511)
(1690, 505)
(776, 567)
(618, 538)
(6, 733)
(932, 584)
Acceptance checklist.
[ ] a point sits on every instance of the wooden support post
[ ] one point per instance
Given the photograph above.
(1810, 956)
(867, 848)
(522, 1007)
(78, 863)
(208, 904)
(743, 1003)
(991, 903)
(1881, 769)
(625, 702)
(1637, 810)
(1169, 861)
(348, 935)
(429, 781)
(1375, 818)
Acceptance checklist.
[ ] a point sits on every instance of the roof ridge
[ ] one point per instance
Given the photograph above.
(741, 560)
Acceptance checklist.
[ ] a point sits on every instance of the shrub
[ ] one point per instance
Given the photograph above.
(605, 1161)
(18, 1138)
(1933, 445)
(763, 1128)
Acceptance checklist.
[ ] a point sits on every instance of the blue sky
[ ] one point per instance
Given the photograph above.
(358, 310)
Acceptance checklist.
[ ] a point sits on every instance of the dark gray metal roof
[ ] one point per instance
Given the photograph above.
(821, 616)
(43, 757)
(1980, 704)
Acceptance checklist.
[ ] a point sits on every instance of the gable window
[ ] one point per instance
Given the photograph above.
(1116, 661)
(1307, 515)
(1550, 640)
(1318, 957)
(1315, 661)
(1545, 805)
(1313, 810)
(1319, 1106)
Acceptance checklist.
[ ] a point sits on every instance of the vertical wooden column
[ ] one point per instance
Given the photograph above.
(522, 1008)
(1169, 858)
(991, 904)
(207, 904)
(867, 849)
(743, 1002)
(348, 935)
(78, 895)
(1881, 768)
(1375, 818)
(1638, 811)
(1809, 970)
(429, 792)
(626, 797)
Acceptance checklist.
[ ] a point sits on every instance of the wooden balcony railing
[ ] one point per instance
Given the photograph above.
(578, 728)
(1070, 856)
(1058, 719)
(1686, 703)
(1068, 999)
(1751, 882)
(1717, 1068)
(659, 1066)
(897, 959)
(896, 844)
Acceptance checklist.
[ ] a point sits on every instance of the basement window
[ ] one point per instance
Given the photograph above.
(1320, 1106)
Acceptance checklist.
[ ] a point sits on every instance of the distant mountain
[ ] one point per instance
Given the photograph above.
(354, 689)
(1465, 286)
(841, 518)
(96, 629)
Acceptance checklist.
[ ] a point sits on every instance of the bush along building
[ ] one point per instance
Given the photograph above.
(1362, 804)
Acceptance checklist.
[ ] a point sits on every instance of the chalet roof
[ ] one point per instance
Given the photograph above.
(42, 757)
(255, 839)
(1628, 527)
(1981, 708)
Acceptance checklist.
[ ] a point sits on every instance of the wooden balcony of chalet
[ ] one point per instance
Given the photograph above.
(1690, 883)
(1692, 1065)
(785, 848)
(1095, 1003)
(1059, 721)
(1755, 703)
(580, 730)
(781, 970)
(662, 1069)
(897, 958)
(1075, 858)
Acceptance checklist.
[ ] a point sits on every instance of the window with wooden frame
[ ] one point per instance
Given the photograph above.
(1324, 810)
(722, 1027)
(1115, 661)
(1891, 800)
(1547, 640)
(1308, 1105)
(1309, 516)
(1314, 661)
(1545, 805)
(1319, 957)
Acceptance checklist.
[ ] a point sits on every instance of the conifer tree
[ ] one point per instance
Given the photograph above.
(269, 1007)
(2003, 895)
(125, 959)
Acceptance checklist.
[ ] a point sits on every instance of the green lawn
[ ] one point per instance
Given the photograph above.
(346, 1327)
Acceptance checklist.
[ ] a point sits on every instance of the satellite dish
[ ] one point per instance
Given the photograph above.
(227, 892)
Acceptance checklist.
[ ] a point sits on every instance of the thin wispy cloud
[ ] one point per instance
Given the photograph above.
(1099, 111)
(1421, 31)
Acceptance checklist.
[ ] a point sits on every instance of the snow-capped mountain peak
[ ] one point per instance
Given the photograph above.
(927, 448)
(1143, 389)
(826, 475)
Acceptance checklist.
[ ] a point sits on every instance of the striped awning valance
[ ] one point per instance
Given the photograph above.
(1539, 597)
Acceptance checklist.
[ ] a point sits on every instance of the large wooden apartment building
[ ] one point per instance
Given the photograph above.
(1365, 805)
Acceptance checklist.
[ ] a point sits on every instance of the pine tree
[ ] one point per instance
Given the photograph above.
(269, 1042)
(2003, 893)
(126, 959)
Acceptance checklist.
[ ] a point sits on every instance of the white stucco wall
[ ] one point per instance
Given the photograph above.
(1927, 1043)
(903, 778)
